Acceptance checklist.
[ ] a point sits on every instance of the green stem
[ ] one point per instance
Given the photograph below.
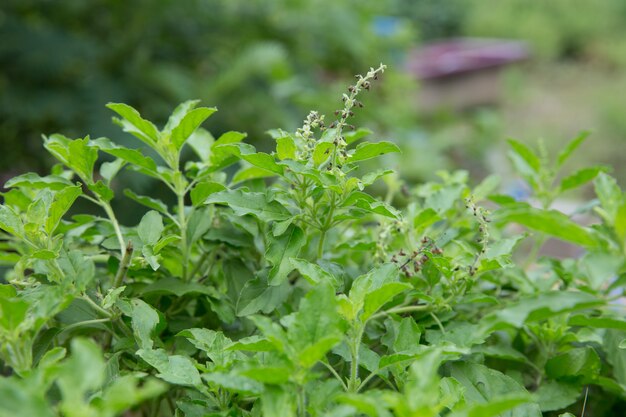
(124, 263)
(301, 402)
(96, 306)
(201, 262)
(85, 323)
(335, 374)
(327, 225)
(400, 310)
(534, 252)
(353, 383)
(183, 232)
(116, 226)
(320, 246)
(439, 324)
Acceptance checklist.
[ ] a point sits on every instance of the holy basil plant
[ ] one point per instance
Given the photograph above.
(275, 285)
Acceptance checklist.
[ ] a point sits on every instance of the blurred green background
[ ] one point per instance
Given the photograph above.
(265, 64)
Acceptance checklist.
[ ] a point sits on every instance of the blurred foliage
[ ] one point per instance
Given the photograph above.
(274, 60)
(592, 30)
(268, 59)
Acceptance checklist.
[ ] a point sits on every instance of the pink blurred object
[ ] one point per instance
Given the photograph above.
(465, 72)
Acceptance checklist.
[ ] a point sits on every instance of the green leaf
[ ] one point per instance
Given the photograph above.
(581, 320)
(583, 362)
(44, 254)
(550, 222)
(600, 267)
(496, 407)
(78, 155)
(257, 204)
(211, 342)
(257, 295)
(273, 332)
(285, 148)
(32, 180)
(368, 203)
(127, 391)
(102, 191)
(132, 156)
(202, 190)
(580, 177)
(258, 159)
(377, 298)
(527, 155)
(133, 123)
(502, 247)
(269, 374)
(22, 398)
(425, 218)
(148, 253)
(370, 282)
(276, 402)
(444, 198)
(222, 156)
(179, 113)
(556, 395)
(82, 372)
(484, 385)
(149, 202)
(616, 356)
(372, 176)
(609, 194)
(279, 252)
(108, 170)
(198, 224)
(408, 336)
(201, 141)
(459, 333)
(10, 221)
(175, 369)
(316, 327)
(252, 344)
(233, 382)
(150, 228)
(542, 306)
(77, 268)
(144, 321)
(314, 273)
(322, 152)
(570, 148)
(63, 200)
(353, 136)
(367, 404)
(370, 150)
(250, 173)
(12, 313)
(189, 123)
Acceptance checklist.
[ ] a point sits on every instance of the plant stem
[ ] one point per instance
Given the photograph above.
(183, 232)
(353, 383)
(96, 306)
(116, 226)
(534, 252)
(335, 374)
(201, 262)
(301, 402)
(85, 323)
(320, 246)
(400, 310)
(124, 263)
(327, 225)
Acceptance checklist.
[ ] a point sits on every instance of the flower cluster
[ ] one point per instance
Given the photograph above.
(306, 134)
